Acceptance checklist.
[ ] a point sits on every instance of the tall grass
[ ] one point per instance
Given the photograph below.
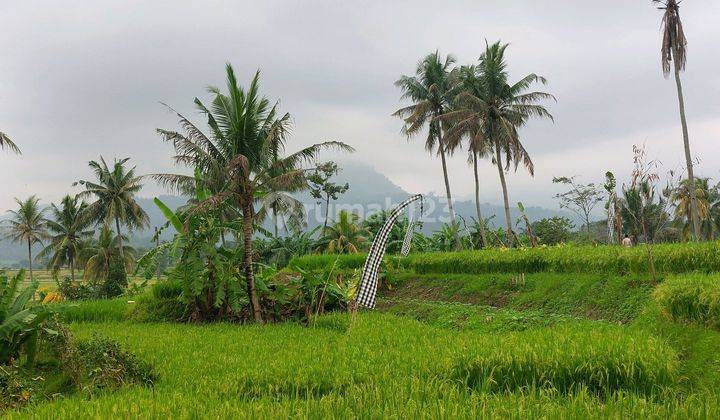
(669, 258)
(569, 358)
(691, 298)
(104, 310)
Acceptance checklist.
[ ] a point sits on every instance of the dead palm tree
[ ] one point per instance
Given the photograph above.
(238, 159)
(431, 90)
(27, 224)
(491, 111)
(6, 142)
(674, 50)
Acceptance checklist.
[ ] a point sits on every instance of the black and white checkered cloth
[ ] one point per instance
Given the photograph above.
(368, 283)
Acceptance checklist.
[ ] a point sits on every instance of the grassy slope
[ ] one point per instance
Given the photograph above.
(593, 296)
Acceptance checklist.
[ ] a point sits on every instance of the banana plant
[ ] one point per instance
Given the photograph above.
(528, 225)
(20, 320)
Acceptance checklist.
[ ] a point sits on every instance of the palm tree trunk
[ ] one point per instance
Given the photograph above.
(481, 222)
(327, 210)
(506, 201)
(688, 158)
(72, 269)
(30, 259)
(247, 262)
(275, 221)
(120, 241)
(441, 147)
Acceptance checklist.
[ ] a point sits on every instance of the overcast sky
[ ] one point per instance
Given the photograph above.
(81, 79)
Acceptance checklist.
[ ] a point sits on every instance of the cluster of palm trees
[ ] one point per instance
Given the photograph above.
(241, 161)
(473, 106)
(67, 233)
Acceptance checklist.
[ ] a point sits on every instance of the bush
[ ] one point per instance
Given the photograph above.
(74, 290)
(100, 363)
(691, 298)
(116, 281)
(568, 359)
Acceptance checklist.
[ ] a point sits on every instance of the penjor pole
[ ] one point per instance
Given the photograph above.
(367, 289)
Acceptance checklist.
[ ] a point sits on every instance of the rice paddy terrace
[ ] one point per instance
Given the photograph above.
(555, 332)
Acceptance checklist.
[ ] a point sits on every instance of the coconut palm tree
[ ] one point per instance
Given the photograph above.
(101, 252)
(68, 234)
(673, 49)
(431, 90)
(479, 147)
(27, 224)
(345, 236)
(6, 142)
(490, 110)
(114, 191)
(237, 158)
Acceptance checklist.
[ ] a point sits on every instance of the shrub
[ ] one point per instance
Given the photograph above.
(601, 360)
(116, 281)
(100, 363)
(74, 290)
(691, 298)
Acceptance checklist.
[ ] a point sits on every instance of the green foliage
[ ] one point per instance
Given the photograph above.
(345, 236)
(20, 320)
(323, 261)
(75, 290)
(116, 281)
(553, 231)
(601, 360)
(691, 298)
(207, 273)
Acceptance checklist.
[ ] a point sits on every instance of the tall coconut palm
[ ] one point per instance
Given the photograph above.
(673, 49)
(27, 224)
(238, 158)
(345, 236)
(68, 234)
(491, 111)
(460, 128)
(6, 142)
(114, 193)
(431, 90)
